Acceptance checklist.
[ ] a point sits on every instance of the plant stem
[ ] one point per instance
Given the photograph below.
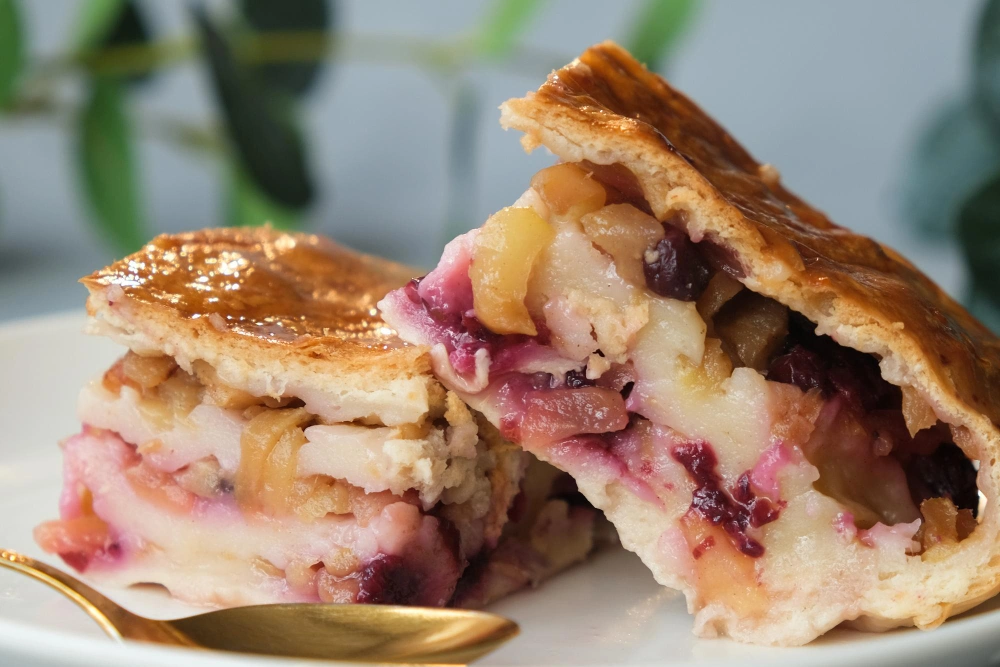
(38, 99)
(309, 46)
(165, 128)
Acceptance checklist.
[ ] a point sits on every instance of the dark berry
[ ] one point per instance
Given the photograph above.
(946, 473)
(722, 258)
(575, 379)
(800, 367)
(812, 361)
(674, 267)
(735, 511)
(386, 579)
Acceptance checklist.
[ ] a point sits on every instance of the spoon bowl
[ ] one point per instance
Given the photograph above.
(355, 632)
(368, 633)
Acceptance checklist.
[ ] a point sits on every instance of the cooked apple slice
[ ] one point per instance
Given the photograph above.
(505, 250)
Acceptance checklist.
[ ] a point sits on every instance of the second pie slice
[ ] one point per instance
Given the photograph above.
(786, 420)
(266, 438)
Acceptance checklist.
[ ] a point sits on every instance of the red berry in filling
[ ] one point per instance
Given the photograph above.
(575, 379)
(424, 573)
(946, 473)
(386, 579)
(811, 361)
(734, 513)
(800, 367)
(674, 267)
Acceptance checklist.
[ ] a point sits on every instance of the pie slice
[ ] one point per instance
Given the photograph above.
(268, 438)
(786, 420)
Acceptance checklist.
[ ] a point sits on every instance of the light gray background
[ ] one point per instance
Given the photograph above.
(832, 93)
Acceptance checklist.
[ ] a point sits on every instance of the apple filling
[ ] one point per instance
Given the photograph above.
(227, 498)
(621, 349)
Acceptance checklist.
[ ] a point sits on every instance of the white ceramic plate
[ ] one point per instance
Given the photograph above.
(608, 611)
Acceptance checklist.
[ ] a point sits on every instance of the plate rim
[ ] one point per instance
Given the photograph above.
(967, 632)
(22, 325)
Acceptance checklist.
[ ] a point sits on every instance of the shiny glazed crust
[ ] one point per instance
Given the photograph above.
(275, 314)
(606, 108)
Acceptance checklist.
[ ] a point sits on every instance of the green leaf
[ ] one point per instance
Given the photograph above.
(94, 21)
(986, 59)
(503, 24)
(249, 207)
(312, 16)
(11, 49)
(956, 154)
(259, 126)
(114, 24)
(107, 165)
(656, 29)
(979, 233)
(129, 27)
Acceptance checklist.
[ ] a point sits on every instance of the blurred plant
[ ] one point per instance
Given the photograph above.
(263, 58)
(952, 187)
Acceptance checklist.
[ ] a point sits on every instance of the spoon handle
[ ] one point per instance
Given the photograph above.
(107, 614)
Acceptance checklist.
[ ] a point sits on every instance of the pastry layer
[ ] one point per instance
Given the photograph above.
(430, 459)
(268, 438)
(142, 527)
(273, 314)
(242, 504)
(782, 479)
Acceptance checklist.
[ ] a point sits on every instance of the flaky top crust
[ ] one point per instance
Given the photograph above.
(276, 287)
(607, 109)
(274, 313)
(607, 93)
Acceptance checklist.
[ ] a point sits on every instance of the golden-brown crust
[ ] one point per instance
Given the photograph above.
(606, 109)
(277, 287)
(609, 91)
(274, 314)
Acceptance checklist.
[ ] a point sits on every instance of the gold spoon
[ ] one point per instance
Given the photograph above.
(365, 633)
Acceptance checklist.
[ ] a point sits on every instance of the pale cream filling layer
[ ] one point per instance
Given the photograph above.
(686, 382)
(442, 466)
(212, 555)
